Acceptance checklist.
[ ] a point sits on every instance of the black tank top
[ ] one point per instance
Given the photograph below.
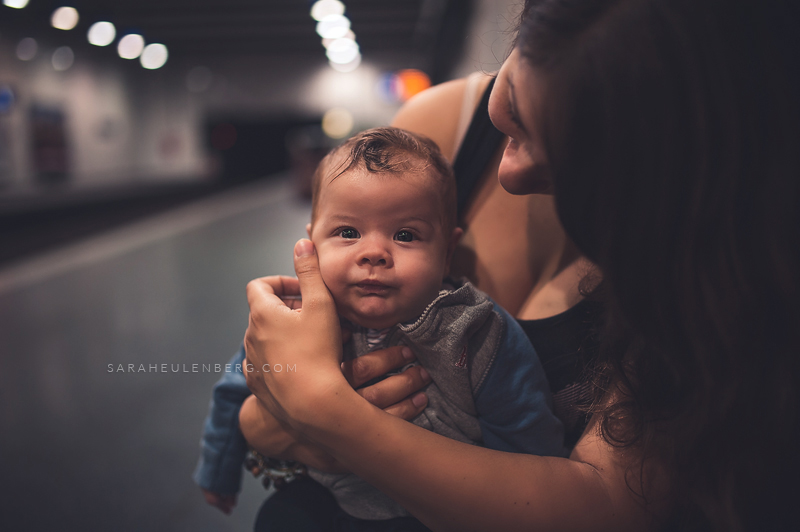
(564, 342)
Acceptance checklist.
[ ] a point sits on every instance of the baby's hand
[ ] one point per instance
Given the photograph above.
(224, 502)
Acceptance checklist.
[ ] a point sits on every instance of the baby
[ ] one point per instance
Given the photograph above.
(384, 226)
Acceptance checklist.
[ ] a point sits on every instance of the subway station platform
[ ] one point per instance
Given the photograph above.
(86, 447)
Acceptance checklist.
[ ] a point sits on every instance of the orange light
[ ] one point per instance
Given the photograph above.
(412, 81)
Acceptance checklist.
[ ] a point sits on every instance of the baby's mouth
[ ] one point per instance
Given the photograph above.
(372, 286)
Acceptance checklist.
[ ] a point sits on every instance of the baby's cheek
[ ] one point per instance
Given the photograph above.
(332, 276)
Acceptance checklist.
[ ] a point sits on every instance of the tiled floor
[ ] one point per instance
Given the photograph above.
(83, 448)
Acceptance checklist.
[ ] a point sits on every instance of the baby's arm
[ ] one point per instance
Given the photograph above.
(514, 404)
(223, 448)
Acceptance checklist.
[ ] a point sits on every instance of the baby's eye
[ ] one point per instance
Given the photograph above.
(348, 232)
(404, 236)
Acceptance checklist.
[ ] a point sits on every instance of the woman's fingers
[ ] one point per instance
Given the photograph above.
(376, 364)
(279, 286)
(299, 342)
(409, 408)
(396, 388)
(315, 294)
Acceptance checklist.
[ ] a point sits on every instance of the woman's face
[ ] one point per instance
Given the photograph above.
(514, 108)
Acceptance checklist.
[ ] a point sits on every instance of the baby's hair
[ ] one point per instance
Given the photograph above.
(391, 150)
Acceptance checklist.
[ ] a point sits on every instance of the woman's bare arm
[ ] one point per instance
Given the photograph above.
(447, 484)
(435, 113)
(454, 486)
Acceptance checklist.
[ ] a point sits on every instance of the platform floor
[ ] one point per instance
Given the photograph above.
(83, 448)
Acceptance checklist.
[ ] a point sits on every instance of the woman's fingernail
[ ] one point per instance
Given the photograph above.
(424, 374)
(407, 354)
(419, 400)
(303, 248)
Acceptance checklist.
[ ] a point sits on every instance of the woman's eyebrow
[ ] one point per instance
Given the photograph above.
(512, 106)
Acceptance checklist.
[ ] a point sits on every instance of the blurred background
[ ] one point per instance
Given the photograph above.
(154, 157)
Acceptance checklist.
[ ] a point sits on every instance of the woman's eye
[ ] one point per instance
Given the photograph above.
(404, 236)
(348, 232)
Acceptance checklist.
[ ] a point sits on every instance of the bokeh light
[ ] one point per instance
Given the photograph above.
(198, 79)
(326, 8)
(346, 67)
(26, 49)
(337, 123)
(412, 81)
(154, 56)
(349, 35)
(16, 4)
(400, 86)
(7, 99)
(101, 33)
(64, 18)
(130, 46)
(342, 51)
(63, 58)
(333, 27)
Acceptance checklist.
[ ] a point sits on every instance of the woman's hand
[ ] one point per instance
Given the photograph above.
(397, 395)
(394, 394)
(293, 355)
(271, 438)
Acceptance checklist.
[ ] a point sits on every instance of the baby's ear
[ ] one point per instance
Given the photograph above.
(308, 230)
(451, 247)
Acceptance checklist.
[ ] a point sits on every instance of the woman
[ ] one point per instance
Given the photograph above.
(669, 131)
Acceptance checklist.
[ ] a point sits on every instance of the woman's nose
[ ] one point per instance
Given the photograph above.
(375, 252)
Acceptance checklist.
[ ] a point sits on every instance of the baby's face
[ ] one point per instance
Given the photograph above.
(381, 245)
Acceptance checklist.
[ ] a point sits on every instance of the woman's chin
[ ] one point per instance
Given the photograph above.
(523, 180)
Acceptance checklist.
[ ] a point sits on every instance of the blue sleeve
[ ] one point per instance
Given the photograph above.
(223, 448)
(514, 403)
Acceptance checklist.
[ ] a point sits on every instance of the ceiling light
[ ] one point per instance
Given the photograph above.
(342, 51)
(346, 67)
(324, 8)
(349, 35)
(130, 46)
(333, 27)
(101, 33)
(64, 18)
(16, 4)
(154, 56)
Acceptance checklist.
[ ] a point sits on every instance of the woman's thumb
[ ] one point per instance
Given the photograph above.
(306, 266)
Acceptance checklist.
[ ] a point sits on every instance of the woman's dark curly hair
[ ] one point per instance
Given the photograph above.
(673, 131)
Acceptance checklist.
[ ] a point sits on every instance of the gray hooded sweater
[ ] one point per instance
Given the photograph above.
(457, 339)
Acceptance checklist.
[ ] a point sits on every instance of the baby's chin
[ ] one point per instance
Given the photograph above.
(375, 318)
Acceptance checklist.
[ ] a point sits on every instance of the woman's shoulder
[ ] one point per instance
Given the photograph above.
(437, 112)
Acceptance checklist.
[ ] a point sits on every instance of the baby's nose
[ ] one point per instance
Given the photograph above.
(374, 253)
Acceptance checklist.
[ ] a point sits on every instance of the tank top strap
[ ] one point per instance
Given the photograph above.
(476, 152)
